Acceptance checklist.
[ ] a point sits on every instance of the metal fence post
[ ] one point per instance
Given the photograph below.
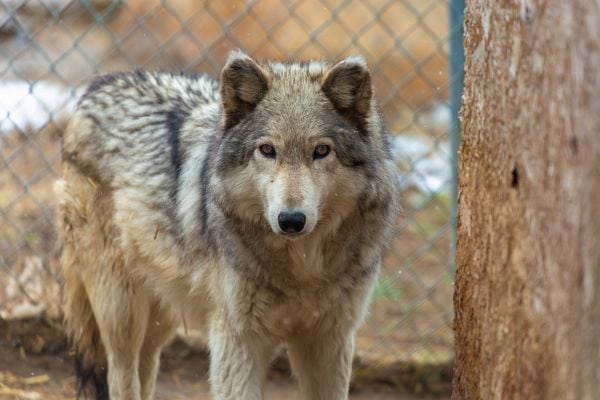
(457, 61)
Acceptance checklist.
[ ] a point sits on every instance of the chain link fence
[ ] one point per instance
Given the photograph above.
(49, 49)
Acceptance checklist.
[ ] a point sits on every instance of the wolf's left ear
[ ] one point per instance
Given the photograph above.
(348, 85)
(243, 85)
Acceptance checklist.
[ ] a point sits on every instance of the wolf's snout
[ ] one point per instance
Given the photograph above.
(291, 222)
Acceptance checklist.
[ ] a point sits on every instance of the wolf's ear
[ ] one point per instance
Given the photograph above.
(243, 85)
(348, 86)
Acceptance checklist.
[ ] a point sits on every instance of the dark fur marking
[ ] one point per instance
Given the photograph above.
(351, 147)
(203, 197)
(174, 120)
(357, 120)
(204, 187)
(91, 381)
(103, 80)
(238, 144)
(140, 74)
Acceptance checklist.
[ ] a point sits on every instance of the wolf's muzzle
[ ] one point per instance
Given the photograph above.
(291, 222)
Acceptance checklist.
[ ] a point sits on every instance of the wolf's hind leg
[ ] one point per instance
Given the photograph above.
(238, 362)
(121, 309)
(161, 327)
(322, 363)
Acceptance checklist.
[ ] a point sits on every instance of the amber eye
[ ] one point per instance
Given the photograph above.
(267, 150)
(321, 151)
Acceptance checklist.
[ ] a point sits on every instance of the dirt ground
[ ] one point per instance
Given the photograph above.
(35, 365)
(51, 377)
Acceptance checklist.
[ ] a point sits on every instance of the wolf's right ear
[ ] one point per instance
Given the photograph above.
(243, 85)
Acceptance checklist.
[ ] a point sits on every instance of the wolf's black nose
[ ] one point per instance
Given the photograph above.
(291, 222)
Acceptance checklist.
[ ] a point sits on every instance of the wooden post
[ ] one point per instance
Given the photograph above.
(527, 296)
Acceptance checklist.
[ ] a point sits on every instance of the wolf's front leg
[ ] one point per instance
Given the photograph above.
(238, 362)
(322, 363)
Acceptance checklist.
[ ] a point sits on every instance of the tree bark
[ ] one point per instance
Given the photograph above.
(528, 258)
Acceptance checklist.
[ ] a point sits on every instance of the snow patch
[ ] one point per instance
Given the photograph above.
(31, 106)
(424, 163)
(436, 119)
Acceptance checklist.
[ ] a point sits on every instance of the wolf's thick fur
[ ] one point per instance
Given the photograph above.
(171, 208)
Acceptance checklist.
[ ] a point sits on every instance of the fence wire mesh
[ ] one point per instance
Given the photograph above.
(50, 49)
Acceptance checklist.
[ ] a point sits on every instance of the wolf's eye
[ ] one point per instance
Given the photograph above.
(267, 150)
(321, 151)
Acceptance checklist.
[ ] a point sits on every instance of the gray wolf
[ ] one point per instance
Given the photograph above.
(259, 205)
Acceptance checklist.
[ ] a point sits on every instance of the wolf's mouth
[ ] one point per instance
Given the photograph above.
(293, 235)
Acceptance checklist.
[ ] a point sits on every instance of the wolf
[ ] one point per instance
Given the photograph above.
(259, 205)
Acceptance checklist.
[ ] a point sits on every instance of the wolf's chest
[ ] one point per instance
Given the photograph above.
(305, 309)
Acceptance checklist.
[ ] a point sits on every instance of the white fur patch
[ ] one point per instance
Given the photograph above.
(315, 69)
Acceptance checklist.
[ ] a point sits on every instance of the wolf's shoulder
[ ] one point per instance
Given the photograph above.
(150, 87)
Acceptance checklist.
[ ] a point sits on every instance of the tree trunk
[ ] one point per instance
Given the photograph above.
(527, 293)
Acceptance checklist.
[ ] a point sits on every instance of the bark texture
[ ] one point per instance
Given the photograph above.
(527, 293)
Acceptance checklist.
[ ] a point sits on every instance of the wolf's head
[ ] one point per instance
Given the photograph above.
(298, 142)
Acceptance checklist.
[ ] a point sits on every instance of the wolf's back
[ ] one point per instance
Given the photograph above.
(133, 122)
